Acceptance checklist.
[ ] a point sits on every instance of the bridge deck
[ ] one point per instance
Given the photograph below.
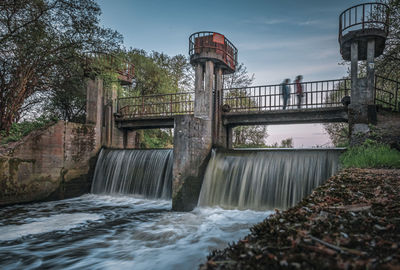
(294, 116)
(256, 105)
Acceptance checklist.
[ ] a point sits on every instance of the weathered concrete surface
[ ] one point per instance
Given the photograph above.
(192, 147)
(318, 115)
(146, 122)
(361, 111)
(49, 164)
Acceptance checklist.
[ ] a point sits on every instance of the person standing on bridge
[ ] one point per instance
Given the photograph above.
(299, 90)
(285, 88)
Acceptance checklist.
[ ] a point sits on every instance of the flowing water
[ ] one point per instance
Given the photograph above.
(115, 232)
(146, 173)
(266, 179)
(128, 224)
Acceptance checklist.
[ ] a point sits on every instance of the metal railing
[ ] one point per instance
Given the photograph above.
(201, 41)
(387, 93)
(364, 16)
(156, 105)
(316, 94)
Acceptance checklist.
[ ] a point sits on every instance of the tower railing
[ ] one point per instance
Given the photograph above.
(207, 40)
(364, 16)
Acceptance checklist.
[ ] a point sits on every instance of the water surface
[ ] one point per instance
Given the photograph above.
(115, 232)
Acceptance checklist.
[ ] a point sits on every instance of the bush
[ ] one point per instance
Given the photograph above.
(20, 130)
(370, 155)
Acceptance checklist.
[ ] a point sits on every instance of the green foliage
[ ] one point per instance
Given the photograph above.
(156, 138)
(287, 143)
(20, 130)
(370, 155)
(158, 73)
(42, 44)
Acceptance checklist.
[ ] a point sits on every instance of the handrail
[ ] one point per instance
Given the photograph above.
(315, 94)
(229, 49)
(378, 16)
(387, 93)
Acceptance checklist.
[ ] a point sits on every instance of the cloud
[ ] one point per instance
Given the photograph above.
(288, 21)
(298, 42)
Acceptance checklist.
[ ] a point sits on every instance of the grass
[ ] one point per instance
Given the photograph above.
(371, 155)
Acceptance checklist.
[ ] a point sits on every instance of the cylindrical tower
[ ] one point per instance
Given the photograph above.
(212, 56)
(362, 35)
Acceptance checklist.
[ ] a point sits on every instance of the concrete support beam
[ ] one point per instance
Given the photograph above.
(355, 94)
(192, 147)
(94, 108)
(219, 130)
(319, 115)
(361, 110)
(370, 72)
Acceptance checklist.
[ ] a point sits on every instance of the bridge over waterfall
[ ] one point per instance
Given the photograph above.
(204, 119)
(322, 101)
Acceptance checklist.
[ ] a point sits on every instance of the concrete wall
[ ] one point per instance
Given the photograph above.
(54, 163)
(192, 147)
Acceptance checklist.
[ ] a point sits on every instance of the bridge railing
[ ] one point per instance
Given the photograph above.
(387, 93)
(316, 94)
(156, 105)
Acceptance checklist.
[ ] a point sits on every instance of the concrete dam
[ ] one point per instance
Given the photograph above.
(237, 179)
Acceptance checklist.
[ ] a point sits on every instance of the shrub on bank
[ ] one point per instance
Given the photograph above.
(20, 130)
(371, 155)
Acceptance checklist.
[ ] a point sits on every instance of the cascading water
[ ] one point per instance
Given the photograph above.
(265, 179)
(141, 172)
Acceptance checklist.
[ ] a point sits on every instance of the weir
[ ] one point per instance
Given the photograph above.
(237, 179)
(265, 179)
(204, 119)
(146, 173)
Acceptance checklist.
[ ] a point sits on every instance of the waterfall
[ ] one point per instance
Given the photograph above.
(141, 172)
(265, 179)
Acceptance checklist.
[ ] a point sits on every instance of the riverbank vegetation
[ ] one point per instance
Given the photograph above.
(350, 222)
(371, 154)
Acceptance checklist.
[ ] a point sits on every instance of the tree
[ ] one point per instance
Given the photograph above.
(39, 39)
(251, 136)
(386, 66)
(287, 143)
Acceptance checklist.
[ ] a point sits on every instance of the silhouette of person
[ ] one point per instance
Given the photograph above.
(285, 88)
(299, 90)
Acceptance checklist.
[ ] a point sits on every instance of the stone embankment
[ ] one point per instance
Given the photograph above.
(350, 222)
(53, 163)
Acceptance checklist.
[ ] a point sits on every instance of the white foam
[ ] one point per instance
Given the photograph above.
(61, 222)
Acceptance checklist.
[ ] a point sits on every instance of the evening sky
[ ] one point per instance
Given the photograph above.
(275, 39)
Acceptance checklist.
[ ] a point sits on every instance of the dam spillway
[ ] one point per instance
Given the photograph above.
(146, 173)
(265, 179)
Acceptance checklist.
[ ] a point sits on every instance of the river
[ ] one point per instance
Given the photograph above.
(115, 232)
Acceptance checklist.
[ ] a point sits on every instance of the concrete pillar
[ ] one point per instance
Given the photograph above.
(361, 110)
(199, 91)
(94, 108)
(220, 131)
(193, 142)
(118, 136)
(192, 148)
(370, 72)
(355, 95)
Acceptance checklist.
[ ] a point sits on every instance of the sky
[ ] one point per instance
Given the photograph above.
(275, 39)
